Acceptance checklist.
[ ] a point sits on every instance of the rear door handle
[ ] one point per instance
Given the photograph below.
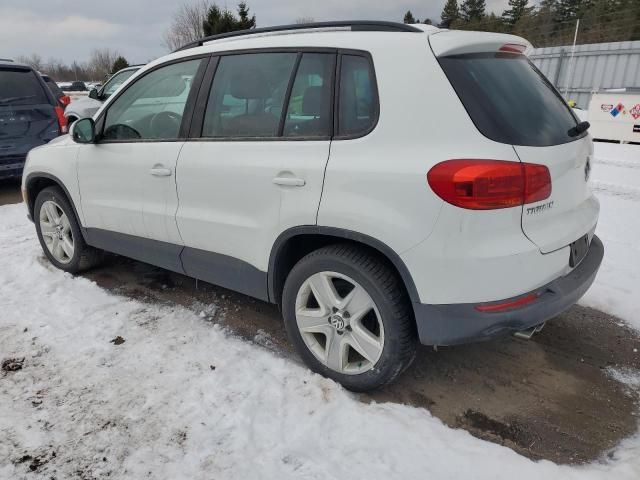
(289, 181)
(160, 172)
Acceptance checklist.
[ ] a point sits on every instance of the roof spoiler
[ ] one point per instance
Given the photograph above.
(458, 42)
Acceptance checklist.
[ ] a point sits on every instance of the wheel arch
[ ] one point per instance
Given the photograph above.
(295, 243)
(38, 181)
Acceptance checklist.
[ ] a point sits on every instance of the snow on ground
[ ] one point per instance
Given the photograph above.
(616, 181)
(181, 398)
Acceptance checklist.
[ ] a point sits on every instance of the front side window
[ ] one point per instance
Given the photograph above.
(309, 110)
(114, 82)
(358, 102)
(152, 107)
(248, 94)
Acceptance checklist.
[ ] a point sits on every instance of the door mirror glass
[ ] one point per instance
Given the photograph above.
(93, 93)
(83, 131)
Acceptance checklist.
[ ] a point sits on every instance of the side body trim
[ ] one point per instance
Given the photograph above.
(214, 268)
(347, 235)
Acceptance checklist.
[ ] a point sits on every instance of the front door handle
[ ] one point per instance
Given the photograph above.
(159, 171)
(289, 181)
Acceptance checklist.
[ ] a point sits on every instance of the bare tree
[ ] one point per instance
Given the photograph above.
(101, 61)
(301, 20)
(186, 25)
(34, 60)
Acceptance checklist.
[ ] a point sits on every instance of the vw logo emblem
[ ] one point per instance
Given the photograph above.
(337, 322)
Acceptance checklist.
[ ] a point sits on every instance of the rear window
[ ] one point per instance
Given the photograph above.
(509, 100)
(20, 86)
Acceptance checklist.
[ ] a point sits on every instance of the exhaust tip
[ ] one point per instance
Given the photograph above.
(529, 332)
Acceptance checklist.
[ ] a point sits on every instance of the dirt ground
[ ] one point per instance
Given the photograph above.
(549, 397)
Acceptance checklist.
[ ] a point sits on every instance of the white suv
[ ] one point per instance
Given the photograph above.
(382, 183)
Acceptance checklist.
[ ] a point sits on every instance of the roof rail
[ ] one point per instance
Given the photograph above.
(354, 26)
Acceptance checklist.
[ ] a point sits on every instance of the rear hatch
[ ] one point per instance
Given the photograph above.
(27, 116)
(511, 102)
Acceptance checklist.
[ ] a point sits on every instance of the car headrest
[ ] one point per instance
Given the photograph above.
(250, 84)
(312, 101)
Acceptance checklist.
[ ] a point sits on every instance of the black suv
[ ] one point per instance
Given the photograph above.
(30, 115)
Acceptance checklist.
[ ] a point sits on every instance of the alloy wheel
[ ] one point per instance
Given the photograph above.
(56, 231)
(339, 323)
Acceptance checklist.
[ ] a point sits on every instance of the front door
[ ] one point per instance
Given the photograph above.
(127, 179)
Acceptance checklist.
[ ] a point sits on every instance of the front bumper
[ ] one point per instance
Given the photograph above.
(454, 324)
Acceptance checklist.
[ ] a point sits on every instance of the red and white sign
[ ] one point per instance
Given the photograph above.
(635, 111)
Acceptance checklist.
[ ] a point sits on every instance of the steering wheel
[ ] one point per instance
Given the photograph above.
(165, 124)
(121, 131)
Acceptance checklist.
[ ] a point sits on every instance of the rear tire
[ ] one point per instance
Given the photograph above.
(59, 233)
(349, 317)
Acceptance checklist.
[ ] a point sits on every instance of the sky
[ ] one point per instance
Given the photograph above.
(69, 30)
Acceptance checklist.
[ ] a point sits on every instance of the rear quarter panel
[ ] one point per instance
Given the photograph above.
(377, 184)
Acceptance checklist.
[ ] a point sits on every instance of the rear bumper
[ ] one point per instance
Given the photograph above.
(454, 324)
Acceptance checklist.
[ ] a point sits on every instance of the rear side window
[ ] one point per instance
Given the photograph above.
(508, 99)
(53, 86)
(358, 102)
(248, 94)
(309, 111)
(20, 86)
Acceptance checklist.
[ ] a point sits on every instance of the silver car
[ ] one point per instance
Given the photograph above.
(87, 106)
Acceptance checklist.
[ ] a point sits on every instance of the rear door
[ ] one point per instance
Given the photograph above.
(256, 163)
(27, 116)
(511, 102)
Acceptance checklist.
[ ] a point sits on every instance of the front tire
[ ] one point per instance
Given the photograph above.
(349, 317)
(59, 233)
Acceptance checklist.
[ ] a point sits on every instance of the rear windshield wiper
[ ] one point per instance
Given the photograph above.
(15, 99)
(578, 129)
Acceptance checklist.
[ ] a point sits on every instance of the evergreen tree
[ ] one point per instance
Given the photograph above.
(119, 64)
(222, 21)
(245, 22)
(409, 18)
(471, 10)
(519, 9)
(450, 11)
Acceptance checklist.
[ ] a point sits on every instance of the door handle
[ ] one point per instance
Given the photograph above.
(289, 181)
(160, 172)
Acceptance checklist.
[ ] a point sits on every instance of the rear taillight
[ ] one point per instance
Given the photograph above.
(65, 100)
(489, 184)
(62, 121)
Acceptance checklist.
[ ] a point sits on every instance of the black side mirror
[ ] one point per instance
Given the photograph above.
(93, 93)
(84, 131)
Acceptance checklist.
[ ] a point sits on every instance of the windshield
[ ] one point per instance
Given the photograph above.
(509, 100)
(114, 82)
(20, 86)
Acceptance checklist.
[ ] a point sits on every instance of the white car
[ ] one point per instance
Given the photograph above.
(87, 106)
(382, 183)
